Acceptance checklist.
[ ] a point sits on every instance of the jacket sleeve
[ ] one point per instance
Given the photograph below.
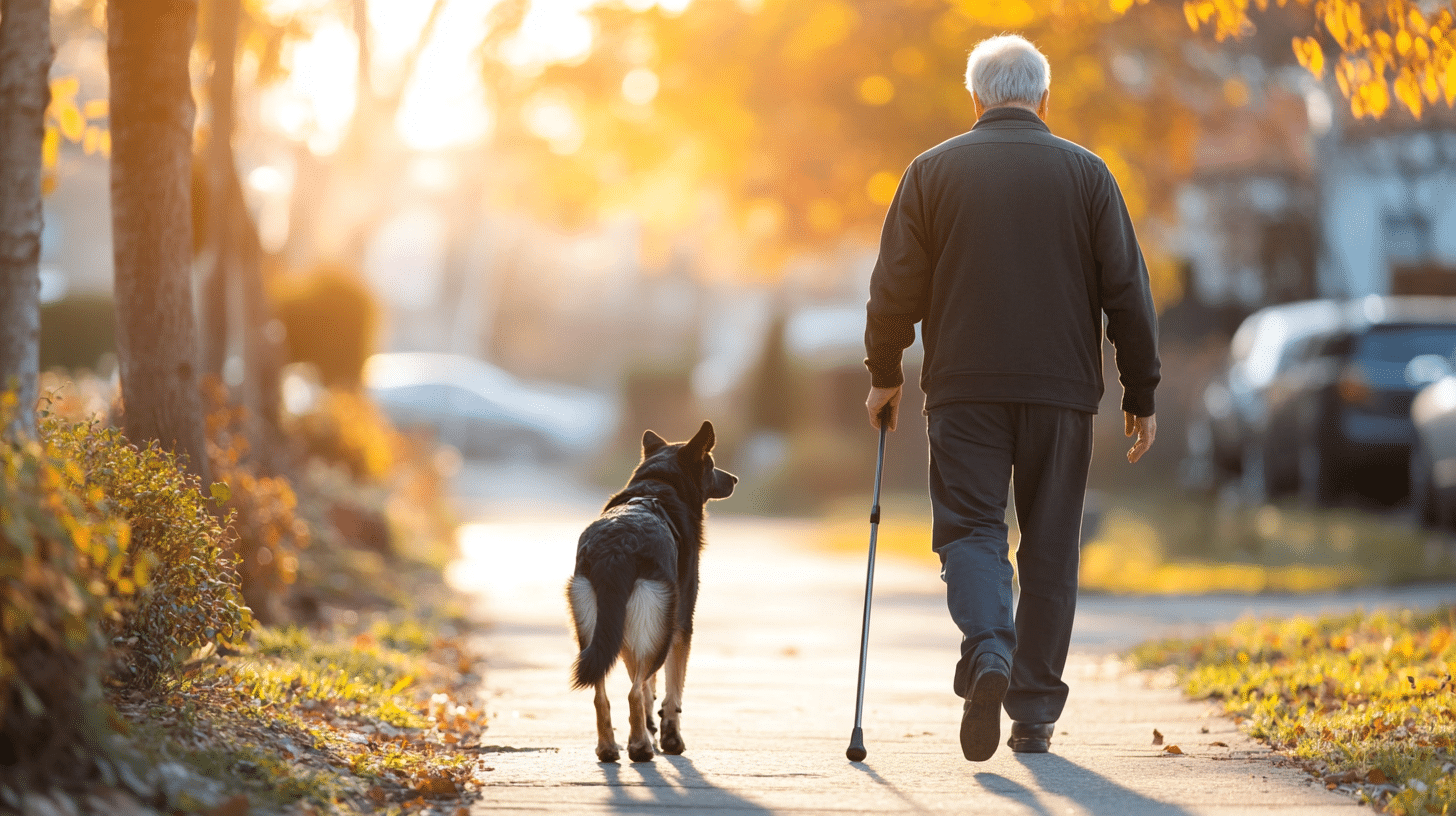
(899, 285)
(1126, 297)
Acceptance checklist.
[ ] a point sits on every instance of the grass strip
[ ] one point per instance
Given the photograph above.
(376, 718)
(1365, 702)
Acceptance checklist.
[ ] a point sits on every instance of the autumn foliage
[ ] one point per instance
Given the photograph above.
(1379, 48)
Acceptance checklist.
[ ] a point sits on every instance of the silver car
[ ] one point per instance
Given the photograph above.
(486, 412)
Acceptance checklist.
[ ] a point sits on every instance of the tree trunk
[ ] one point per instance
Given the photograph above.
(25, 63)
(220, 254)
(148, 43)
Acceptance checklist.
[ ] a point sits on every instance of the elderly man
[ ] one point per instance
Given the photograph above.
(1008, 244)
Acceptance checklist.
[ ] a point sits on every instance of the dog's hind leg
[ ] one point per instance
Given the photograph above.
(639, 741)
(651, 701)
(607, 750)
(671, 713)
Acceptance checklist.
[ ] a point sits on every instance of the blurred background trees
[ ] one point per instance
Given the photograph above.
(629, 191)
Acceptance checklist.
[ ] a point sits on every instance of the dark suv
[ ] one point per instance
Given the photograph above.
(1339, 417)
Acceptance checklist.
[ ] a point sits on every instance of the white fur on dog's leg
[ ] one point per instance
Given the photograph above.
(677, 669)
(647, 624)
(607, 750)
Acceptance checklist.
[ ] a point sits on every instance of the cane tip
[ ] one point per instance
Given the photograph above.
(856, 751)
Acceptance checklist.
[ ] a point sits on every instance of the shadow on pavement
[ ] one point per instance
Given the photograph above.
(1013, 790)
(689, 791)
(887, 785)
(1098, 794)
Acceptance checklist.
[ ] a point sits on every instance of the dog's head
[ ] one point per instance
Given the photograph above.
(693, 459)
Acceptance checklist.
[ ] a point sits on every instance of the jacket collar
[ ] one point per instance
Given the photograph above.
(1009, 118)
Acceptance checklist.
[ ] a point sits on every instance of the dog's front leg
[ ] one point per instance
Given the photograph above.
(607, 750)
(677, 670)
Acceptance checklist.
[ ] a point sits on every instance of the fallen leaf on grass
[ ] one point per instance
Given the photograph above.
(377, 795)
(1219, 744)
(1157, 737)
(1173, 749)
(435, 786)
(1377, 777)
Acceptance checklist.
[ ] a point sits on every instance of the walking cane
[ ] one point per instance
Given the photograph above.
(856, 751)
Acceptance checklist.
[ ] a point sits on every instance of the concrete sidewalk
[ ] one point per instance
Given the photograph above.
(769, 702)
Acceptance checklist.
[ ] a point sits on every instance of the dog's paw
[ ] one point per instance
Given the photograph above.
(640, 753)
(608, 754)
(672, 741)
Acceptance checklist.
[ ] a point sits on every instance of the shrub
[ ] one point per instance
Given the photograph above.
(267, 531)
(330, 318)
(76, 331)
(64, 568)
(348, 429)
(192, 597)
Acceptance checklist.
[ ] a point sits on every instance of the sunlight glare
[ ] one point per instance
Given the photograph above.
(317, 102)
(553, 31)
(445, 104)
(551, 117)
(639, 86)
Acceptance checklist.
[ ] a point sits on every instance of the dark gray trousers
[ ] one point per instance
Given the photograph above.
(975, 448)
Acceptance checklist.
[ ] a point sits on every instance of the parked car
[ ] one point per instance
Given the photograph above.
(1433, 455)
(1233, 402)
(484, 411)
(1339, 416)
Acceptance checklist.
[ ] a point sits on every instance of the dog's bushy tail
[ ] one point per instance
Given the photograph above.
(599, 608)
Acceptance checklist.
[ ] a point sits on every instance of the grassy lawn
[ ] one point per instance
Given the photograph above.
(1366, 702)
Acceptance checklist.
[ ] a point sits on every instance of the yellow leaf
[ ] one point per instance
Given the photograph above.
(1408, 91)
(106, 143)
(1378, 99)
(50, 147)
(1120, 6)
(1417, 21)
(1335, 24)
(1190, 11)
(1307, 50)
(93, 139)
(64, 89)
(1173, 749)
(48, 183)
(73, 124)
(1403, 42)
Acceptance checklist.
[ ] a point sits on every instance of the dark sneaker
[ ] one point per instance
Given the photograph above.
(981, 722)
(1031, 738)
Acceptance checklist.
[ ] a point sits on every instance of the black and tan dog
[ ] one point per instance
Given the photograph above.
(636, 584)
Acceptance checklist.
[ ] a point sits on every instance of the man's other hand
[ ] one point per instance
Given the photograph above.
(878, 399)
(1144, 427)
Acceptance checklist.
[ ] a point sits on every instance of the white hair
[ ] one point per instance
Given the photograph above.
(1007, 69)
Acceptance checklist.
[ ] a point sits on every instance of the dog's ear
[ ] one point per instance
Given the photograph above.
(652, 443)
(702, 442)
